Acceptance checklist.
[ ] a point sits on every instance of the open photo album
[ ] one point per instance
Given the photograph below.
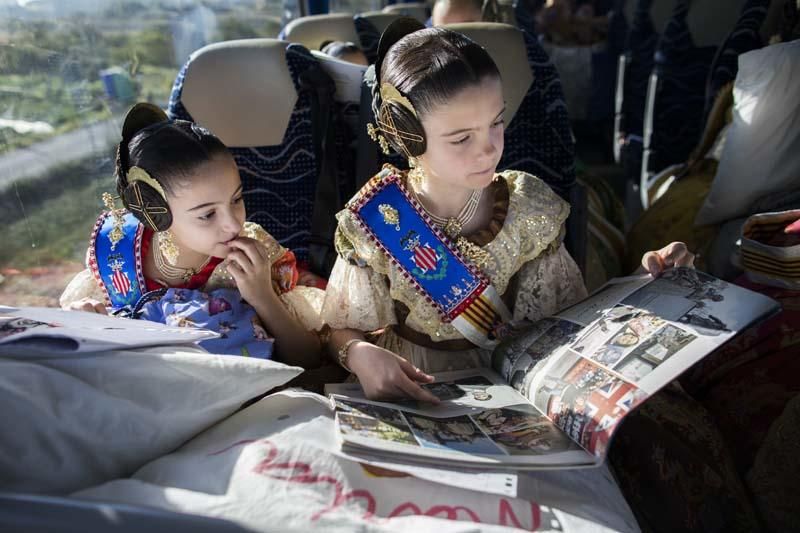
(558, 388)
(57, 331)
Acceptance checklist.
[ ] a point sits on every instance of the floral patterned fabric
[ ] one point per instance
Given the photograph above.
(222, 311)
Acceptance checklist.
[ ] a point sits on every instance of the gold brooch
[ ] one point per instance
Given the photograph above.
(390, 215)
(116, 234)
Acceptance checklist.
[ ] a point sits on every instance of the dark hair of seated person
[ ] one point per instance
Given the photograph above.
(344, 50)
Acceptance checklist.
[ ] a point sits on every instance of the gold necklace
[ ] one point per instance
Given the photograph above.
(173, 272)
(453, 226)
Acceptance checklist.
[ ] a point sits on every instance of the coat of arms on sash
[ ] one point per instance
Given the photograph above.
(430, 263)
(119, 278)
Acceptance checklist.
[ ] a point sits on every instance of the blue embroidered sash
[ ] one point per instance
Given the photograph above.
(458, 290)
(117, 266)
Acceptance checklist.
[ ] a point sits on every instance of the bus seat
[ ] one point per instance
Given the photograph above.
(674, 113)
(313, 30)
(646, 20)
(710, 21)
(270, 118)
(379, 19)
(369, 27)
(659, 12)
(745, 36)
(418, 10)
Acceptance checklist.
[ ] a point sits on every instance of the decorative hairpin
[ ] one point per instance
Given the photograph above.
(116, 234)
(389, 93)
(135, 176)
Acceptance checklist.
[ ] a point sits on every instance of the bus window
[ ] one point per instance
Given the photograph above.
(68, 72)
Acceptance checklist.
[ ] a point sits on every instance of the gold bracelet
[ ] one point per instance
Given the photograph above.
(341, 355)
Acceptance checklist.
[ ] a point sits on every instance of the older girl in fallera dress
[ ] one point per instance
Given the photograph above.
(439, 102)
(185, 232)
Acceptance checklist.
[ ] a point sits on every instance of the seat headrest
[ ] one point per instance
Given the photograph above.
(659, 12)
(417, 10)
(380, 19)
(314, 30)
(710, 21)
(506, 46)
(241, 90)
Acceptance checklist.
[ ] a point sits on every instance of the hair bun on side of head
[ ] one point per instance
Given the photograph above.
(139, 117)
(141, 194)
(393, 33)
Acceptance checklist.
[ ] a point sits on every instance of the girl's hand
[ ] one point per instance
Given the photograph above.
(384, 375)
(249, 265)
(675, 254)
(89, 305)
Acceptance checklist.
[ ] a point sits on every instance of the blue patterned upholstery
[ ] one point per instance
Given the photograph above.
(279, 181)
(538, 139)
(604, 67)
(368, 36)
(679, 99)
(744, 37)
(524, 11)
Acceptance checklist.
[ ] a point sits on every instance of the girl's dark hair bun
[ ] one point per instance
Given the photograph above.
(139, 117)
(393, 33)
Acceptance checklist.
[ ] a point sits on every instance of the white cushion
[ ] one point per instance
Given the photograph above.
(762, 151)
(70, 422)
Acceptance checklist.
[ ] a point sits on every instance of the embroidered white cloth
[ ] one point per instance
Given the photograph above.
(271, 467)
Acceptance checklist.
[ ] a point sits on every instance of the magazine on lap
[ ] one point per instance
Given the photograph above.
(558, 388)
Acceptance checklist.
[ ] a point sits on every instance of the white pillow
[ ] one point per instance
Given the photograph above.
(275, 466)
(762, 150)
(70, 422)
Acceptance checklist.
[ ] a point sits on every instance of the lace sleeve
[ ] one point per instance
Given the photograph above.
(357, 298)
(548, 284)
(305, 304)
(83, 285)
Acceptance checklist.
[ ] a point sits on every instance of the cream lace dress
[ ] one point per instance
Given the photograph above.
(528, 265)
(303, 303)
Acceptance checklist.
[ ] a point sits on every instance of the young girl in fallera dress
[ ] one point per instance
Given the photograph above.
(439, 102)
(181, 252)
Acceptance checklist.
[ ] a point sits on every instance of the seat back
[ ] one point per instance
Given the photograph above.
(659, 12)
(646, 20)
(267, 118)
(746, 36)
(369, 27)
(418, 10)
(314, 30)
(710, 21)
(674, 115)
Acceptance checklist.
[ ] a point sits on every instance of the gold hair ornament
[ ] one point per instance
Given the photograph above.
(116, 234)
(389, 93)
(135, 176)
